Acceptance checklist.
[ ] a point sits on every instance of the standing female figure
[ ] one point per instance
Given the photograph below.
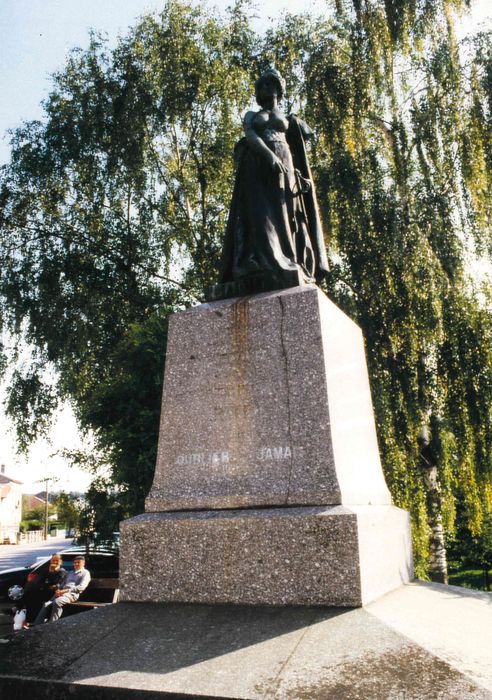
(273, 238)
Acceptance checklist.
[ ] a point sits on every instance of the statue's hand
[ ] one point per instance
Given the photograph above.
(277, 165)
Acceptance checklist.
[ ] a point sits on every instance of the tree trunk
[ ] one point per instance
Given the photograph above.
(486, 578)
(438, 567)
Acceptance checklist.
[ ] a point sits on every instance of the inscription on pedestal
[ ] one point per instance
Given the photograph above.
(202, 458)
(218, 457)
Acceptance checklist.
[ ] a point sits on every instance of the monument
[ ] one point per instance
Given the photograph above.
(268, 486)
(268, 491)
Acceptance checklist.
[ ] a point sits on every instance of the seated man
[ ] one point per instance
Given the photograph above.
(75, 582)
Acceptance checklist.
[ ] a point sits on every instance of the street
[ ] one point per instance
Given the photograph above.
(12, 555)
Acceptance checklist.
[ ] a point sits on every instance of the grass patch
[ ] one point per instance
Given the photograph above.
(469, 578)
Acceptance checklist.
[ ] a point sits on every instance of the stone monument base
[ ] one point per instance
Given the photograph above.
(268, 488)
(421, 642)
(322, 555)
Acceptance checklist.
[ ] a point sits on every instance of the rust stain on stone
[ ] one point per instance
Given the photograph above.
(240, 341)
(240, 325)
(240, 398)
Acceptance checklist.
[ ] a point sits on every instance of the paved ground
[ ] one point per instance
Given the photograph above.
(12, 555)
(421, 642)
(6, 621)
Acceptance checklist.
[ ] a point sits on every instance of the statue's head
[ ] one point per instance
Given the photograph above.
(268, 82)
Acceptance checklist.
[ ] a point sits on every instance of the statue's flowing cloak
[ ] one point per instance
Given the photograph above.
(297, 134)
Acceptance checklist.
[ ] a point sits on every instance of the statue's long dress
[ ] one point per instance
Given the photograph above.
(273, 238)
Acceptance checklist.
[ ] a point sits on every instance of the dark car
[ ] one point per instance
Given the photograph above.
(100, 563)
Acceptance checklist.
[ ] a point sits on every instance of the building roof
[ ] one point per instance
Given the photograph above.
(42, 496)
(33, 501)
(7, 480)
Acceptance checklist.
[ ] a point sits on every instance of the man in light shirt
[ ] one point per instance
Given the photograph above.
(75, 582)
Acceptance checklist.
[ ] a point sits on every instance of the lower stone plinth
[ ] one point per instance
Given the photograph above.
(339, 555)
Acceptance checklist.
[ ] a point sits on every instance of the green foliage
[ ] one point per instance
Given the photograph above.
(127, 407)
(468, 549)
(38, 513)
(112, 210)
(35, 524)
(34, 514)
(402, 116)
(33, 519)
(67, 510)
(470, 578)
(102, 512)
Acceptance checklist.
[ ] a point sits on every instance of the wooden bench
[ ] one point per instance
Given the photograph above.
(109, 587)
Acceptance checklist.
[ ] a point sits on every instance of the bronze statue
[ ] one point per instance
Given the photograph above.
(273, 238)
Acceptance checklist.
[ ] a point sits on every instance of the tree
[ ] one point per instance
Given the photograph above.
(471, 551)
(101, 514)
(112, 209)
(403, 166)
(67, 510)
(34, 518)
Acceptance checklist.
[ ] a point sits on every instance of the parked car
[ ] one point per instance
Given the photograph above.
(101, 564)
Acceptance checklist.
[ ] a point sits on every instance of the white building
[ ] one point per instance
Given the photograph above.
(10, 507)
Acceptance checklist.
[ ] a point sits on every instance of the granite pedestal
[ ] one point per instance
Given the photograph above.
(292, 556)
(268, 485)
(266, 402)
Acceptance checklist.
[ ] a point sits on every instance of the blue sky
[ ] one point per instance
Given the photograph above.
(36, 37)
